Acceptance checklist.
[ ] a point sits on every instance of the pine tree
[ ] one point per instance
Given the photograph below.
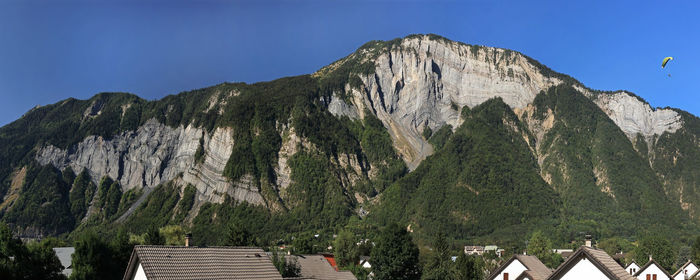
(395, 255)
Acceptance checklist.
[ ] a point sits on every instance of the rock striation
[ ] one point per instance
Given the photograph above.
(155, 154)
(635, 116)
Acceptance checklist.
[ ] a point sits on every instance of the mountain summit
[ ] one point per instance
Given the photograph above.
(475, 141)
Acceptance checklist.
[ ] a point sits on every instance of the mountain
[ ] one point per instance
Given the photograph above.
(481, 143)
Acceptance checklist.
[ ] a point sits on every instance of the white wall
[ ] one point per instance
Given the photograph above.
(514, 269)
(140, 274)
(584, 270)
(689, 270)
(634, 268)
(652, 269)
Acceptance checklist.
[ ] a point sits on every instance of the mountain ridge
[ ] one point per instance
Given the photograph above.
(360, 125)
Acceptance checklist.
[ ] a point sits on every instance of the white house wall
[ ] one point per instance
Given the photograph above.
(514, 269)
(652, 269)
(584, 270)
(140, 274)
(633, 267)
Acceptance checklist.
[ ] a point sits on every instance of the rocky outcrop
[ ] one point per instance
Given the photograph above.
(635, 116)
(155, 154)
(425, 82)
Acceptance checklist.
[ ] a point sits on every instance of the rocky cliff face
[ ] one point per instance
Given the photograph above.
(154, 154)
(425, 82)
(634, 116)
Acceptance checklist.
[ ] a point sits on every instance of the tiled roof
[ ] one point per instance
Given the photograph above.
(608, 262)
(189, 263)
(317, 267)
(599, 258)
(535, 268)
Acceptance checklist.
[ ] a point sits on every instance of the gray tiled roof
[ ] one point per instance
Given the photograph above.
(599, 258)
(534, 267)
(317, 267)
(187, 263)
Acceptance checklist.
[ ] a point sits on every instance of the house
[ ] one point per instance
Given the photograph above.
(632, 268)
(685, 271)
(188, 262)
(474, 250)
(652, 271)
(318, 267)
(588, 263)
(521, 267)
(65, 256)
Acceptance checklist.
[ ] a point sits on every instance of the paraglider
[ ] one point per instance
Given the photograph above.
(666, 60)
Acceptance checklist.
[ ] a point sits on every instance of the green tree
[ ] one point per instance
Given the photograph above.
(468, 267)
(93, 259)
(682, 257)
(153, 236)
(173, 235)
(541, 247)
(659, 248)
(238, 235)
(615, 245)
(114, 195)
(33, 261)
(288, 267)
(395, 255)
(43, 262)
(121, 248)
(303, 244)
(346, 250)
(439, 263)
(695, 250)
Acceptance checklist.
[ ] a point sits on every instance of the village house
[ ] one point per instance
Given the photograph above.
(474, 250)
(632, 268)
(521, 267)
(685, 271)
(184, 262)
(588, 263)
(652, 271)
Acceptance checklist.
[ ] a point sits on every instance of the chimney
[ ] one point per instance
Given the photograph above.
(188, 239)
(650, 258)
(588, 241)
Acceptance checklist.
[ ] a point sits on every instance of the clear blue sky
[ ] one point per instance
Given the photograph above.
(50, 51)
